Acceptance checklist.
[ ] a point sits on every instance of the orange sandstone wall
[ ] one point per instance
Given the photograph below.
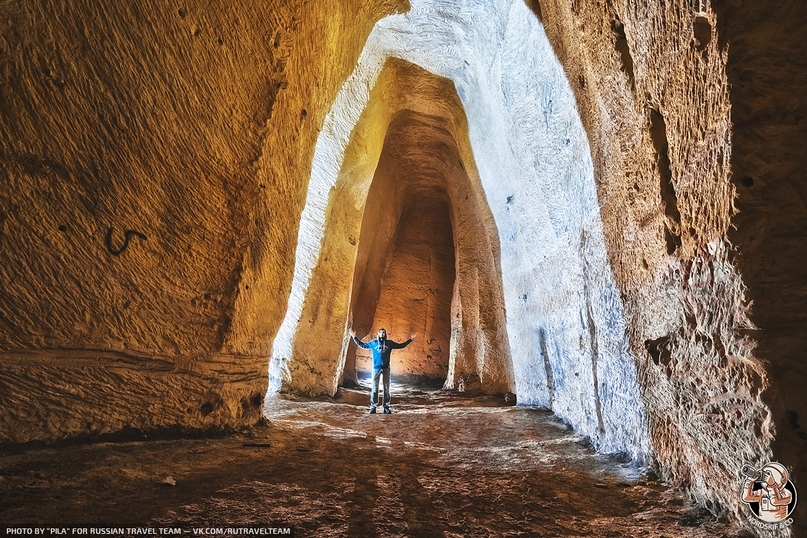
(416, 292)
(153, 163)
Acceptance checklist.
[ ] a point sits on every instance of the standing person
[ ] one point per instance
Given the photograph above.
(381, 349)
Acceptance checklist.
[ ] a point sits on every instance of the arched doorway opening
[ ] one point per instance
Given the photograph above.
(408, 153)
(414, 295)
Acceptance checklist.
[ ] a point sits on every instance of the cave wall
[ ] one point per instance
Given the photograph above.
(564, 313)
(152, 160)
(154, 163)
(652, 87)
(767, 73)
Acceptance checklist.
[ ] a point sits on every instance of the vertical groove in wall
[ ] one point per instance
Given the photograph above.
(550, 382)
(592, 332)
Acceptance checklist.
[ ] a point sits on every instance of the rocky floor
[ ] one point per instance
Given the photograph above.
(440, 465)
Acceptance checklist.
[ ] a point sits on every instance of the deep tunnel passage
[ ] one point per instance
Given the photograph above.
(425, 237)
(405, 271)
(416, 292)
(596, 299)
(411, 137)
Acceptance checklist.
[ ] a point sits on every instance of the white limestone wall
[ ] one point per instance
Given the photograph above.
(565, 320)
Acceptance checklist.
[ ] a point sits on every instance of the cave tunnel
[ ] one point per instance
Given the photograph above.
(415, 293)
(406, 283)
(592, 209)
(408, 153)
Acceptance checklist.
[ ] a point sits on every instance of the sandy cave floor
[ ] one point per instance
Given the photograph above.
(441, 465)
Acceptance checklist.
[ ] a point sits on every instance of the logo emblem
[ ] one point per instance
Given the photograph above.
(768, 492)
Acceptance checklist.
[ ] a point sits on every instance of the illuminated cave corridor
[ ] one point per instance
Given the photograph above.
(416, 289)
(591, 214)
(405, 266)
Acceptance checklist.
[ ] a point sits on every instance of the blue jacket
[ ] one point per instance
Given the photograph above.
(381, 350)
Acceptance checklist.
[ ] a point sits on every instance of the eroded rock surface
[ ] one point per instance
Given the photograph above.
(530, 248)
(158, 162)
(653, 91)
(152, 161)
(416, 292)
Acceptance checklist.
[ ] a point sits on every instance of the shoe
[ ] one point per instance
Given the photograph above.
(372, 410)
(387, 411)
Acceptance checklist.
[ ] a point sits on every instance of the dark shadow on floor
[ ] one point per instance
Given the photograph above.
(443, 464)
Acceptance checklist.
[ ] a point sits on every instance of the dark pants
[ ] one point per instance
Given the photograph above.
(377, 372)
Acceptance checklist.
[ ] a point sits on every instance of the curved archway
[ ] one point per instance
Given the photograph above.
(563, 315)
(407, 285)
(363, 212)
(218, 191)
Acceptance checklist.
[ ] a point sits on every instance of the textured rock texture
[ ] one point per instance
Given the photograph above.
(527, 162)
(153, 158)
(55, 394)
(767, 73)
(190, 192)
(416, 292)
(442, 465)
(652, 86)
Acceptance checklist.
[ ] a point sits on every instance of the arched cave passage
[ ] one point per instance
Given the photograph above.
(532, 267)
(600, 281)
(415, 294)
(410, 143)
(582, 346)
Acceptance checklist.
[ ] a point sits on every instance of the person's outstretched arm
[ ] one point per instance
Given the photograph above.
(359, 342)
(400, 345)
